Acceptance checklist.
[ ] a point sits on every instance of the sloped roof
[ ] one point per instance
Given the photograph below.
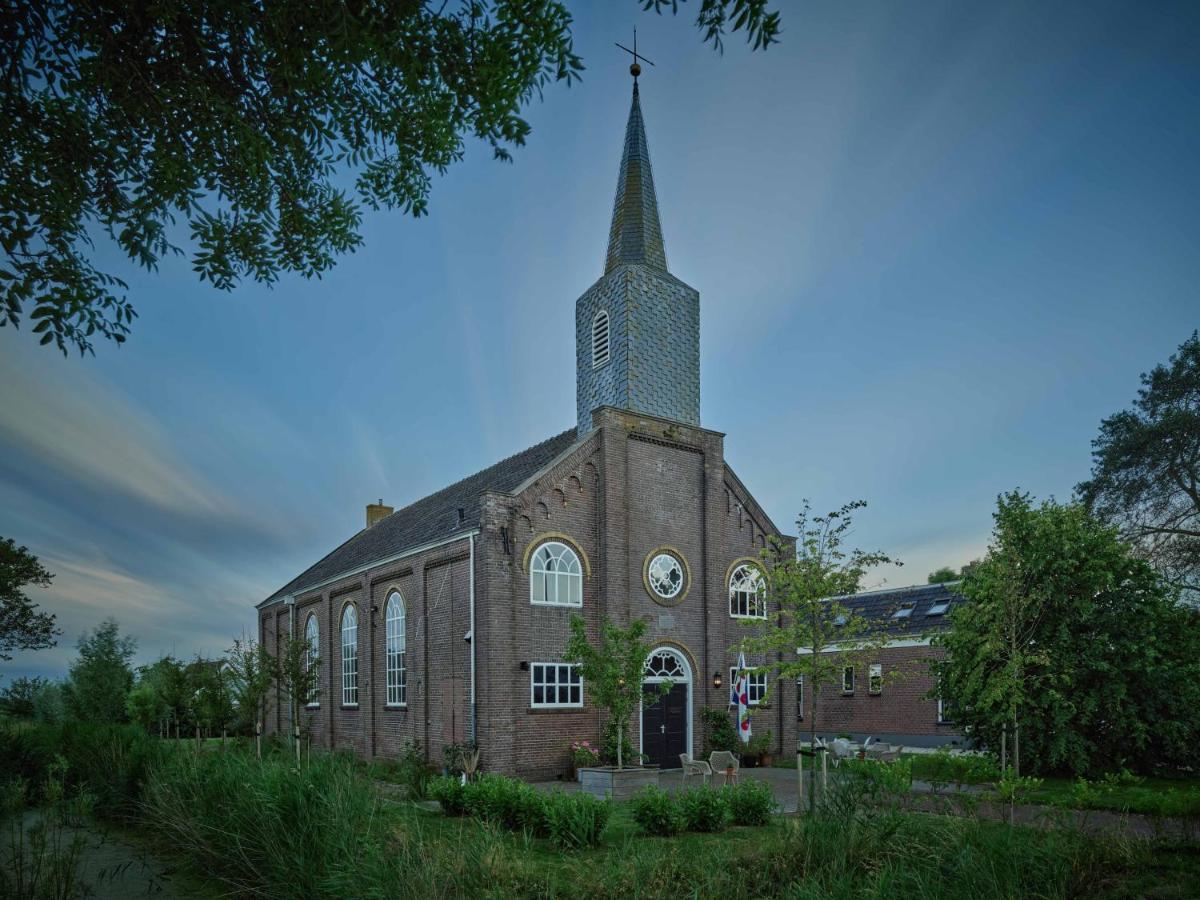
(636, 233)
(878, 607)
(431, 518)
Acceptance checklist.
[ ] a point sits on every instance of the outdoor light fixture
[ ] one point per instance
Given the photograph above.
(717, 680)
(621, 682)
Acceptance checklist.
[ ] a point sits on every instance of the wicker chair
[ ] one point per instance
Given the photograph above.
(695, 767)
(724, 761)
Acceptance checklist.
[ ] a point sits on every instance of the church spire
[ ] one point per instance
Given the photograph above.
(636, 235)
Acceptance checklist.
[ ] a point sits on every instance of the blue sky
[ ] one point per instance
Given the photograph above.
(935, 244)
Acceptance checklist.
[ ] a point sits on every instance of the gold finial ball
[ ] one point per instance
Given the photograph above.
(635, 70)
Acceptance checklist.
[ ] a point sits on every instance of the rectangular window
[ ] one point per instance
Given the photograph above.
(945, 711)
(800, 698)
(756, 686)
(875, 678)
(555, 685)
(848, 680)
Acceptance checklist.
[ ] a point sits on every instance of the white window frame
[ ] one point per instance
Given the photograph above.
(850, 670)
(756, 687)
(560, 668)
(395, 650)
(939, 609)
(312, 653)
(571, 576)
(601, 356)
(875, 679)
(759, 601)
(349, 655)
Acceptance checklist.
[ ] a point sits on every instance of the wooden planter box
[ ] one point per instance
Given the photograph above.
(618, 784)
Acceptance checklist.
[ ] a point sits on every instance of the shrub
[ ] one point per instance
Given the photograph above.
(751, 802)
(506, 802)
(718, 725)
(703, 809)
(413, 772)
(450, 793)
(656, 811)
(575, 821)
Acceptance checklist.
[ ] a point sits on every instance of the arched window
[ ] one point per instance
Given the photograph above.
(746, 593)
(350, 655)
(600, 342)
(312, 651)
(555, 576)
(397, 676)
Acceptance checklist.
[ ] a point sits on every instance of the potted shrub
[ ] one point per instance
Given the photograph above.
(765, 757)
(613, 671)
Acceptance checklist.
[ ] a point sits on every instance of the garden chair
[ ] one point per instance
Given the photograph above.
(695, 767)
(727, 762)
(841, 750)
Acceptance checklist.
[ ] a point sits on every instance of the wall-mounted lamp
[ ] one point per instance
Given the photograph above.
(717, 680)
(524, 666)
(620, 682)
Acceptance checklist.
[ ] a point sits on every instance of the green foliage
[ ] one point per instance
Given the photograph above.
(413, 771)
(944, 767)
(1072, 636)
(100, 678)
(943, 575)
(239, 123)
(1146, 467)
(751, 802)
(252, 675)
(613, 669)
(703, 808)
(718, 729)
(41, 858)
(22, 627)
(656, 812)
(507, 802)
(762, 27)
(17, 699)
(450, 792)
(608, 743)
(267, 827)
(108, 762)
(575, 821)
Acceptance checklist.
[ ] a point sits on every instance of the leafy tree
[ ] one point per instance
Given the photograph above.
(168, 679)
(50, 704)
(299, 679)
(613, 670)
(241, 121)
(144, 706)
(1146, 468)
(805, 585)
(252, 674)
(17, 699)
(22, 627)
(100, 678)
(213, 700)
(944, 575)
(1074, 645)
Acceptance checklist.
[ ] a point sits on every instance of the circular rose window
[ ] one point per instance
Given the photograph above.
(665, 575)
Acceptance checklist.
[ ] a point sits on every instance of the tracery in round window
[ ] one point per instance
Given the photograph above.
(665, 575)
(747, 598)
(665, 664)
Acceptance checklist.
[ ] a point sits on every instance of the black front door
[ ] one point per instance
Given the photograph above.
(664, 725)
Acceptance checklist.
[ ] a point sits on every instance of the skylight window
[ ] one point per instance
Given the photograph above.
(903, 612)
(938, 609)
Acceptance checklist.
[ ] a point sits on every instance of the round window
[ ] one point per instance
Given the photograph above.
(665, 575)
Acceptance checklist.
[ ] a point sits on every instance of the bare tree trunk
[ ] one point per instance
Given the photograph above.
(1003, 749)
(1016, 748)
(620, 741)
(258, 738)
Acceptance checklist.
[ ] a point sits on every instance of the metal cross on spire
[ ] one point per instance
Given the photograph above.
(635, 70)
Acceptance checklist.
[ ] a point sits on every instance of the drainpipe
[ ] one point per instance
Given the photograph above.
(290, 600)
(471, 636)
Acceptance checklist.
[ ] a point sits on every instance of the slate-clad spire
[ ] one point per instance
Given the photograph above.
(636, 235)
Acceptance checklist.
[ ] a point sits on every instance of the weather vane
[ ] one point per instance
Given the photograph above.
(635, 70)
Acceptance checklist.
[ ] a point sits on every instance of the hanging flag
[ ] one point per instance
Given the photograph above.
(742, 690)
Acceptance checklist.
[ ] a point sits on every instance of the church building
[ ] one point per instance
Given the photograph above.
(445, 621)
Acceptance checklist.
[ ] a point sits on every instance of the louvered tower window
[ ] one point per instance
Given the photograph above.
(600, 343)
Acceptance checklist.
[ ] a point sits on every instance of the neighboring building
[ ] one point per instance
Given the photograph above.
(890, 695)
(446, 621)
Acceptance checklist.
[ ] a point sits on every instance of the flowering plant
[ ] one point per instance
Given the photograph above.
(584, 753)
